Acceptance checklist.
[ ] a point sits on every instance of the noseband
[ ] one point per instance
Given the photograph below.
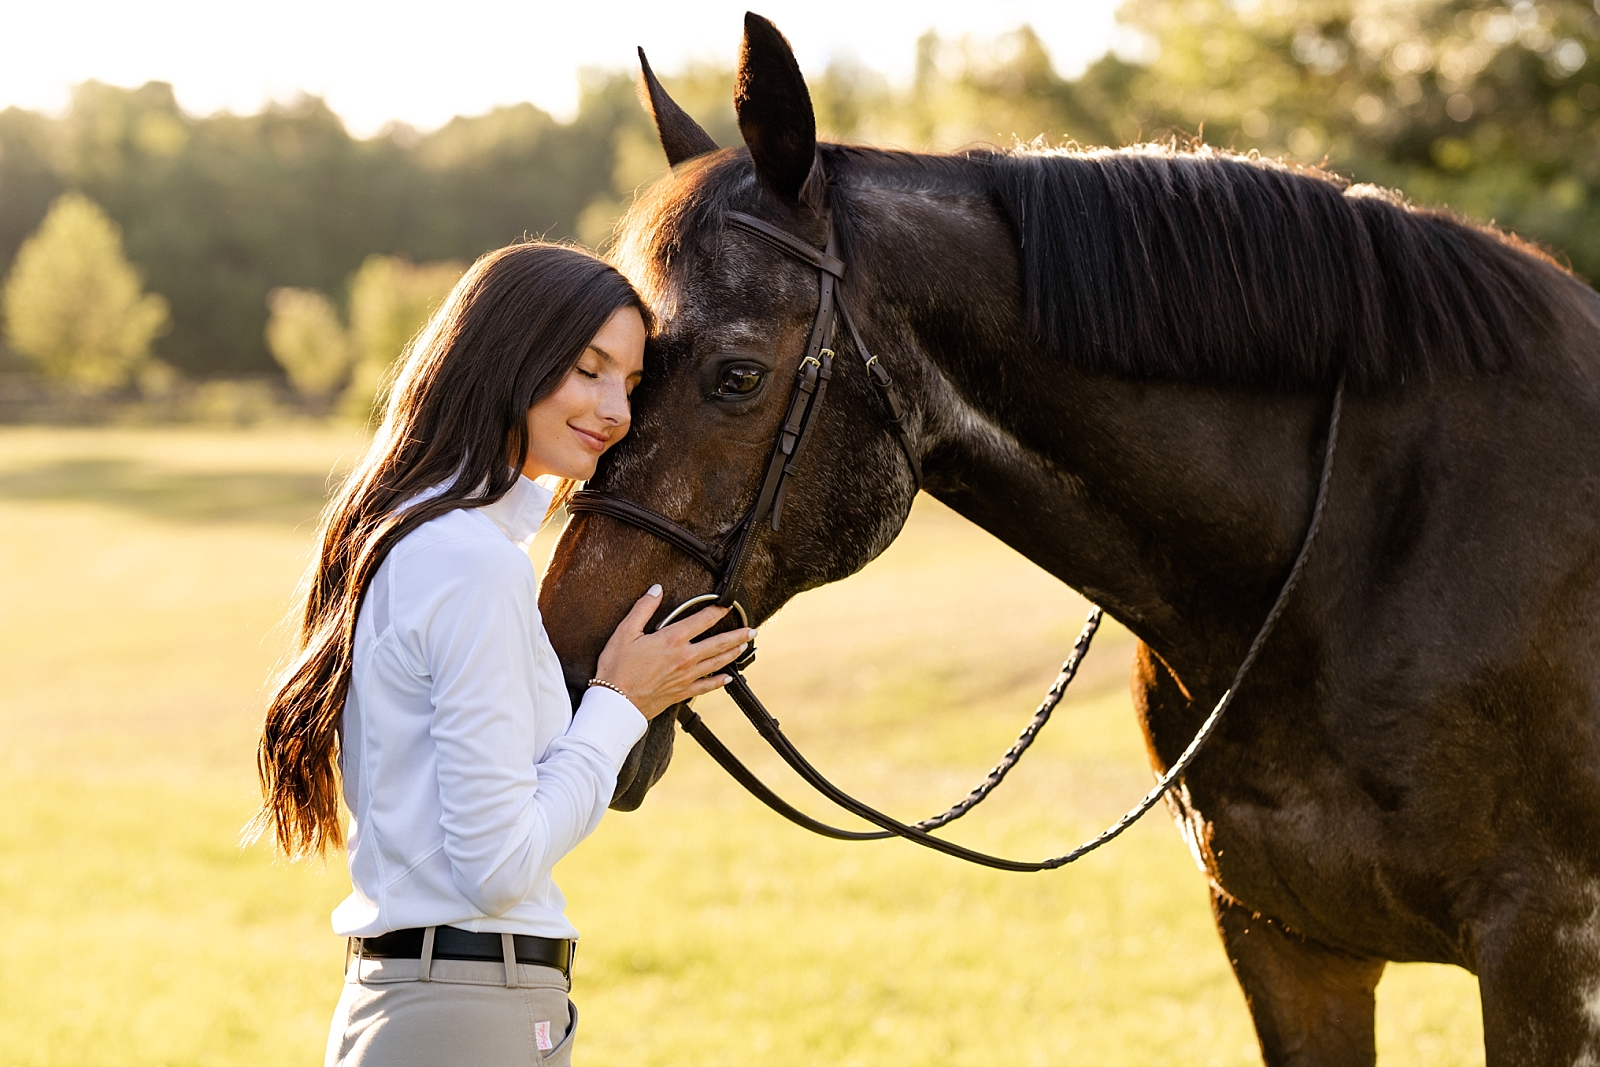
(726, 558)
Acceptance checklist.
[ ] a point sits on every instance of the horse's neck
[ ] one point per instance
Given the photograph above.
(1165, 506)
(1173, 506)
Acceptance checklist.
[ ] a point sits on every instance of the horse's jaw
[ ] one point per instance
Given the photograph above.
(646, 763)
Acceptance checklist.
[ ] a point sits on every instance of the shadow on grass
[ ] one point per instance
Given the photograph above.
(276, 497)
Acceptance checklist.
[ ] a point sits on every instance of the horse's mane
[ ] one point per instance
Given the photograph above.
(1154, 262)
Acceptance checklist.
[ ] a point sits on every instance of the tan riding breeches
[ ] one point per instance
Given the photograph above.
(391, 1014)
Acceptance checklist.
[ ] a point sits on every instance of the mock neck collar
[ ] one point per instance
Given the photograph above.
(521, 512)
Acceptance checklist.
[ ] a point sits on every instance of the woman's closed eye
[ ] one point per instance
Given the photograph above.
(586, 373)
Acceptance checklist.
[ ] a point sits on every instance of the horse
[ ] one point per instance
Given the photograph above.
(1122, 363)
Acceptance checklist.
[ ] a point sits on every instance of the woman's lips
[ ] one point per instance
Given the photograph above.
(589, 438)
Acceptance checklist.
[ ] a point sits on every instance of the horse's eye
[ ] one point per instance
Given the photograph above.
(739, 381)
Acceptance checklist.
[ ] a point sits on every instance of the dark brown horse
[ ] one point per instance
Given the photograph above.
(1121, 364)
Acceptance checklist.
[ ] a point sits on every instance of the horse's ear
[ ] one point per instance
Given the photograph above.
(681, 136)
(774, 107)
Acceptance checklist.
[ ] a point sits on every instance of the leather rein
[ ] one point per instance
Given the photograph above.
(725, 559)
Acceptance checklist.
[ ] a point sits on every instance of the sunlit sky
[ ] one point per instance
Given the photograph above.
(423, 63)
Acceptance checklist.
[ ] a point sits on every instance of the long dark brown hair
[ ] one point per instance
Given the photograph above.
(509, 333)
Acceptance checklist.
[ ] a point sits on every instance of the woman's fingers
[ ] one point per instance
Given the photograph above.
(702, 686)
(722, 649)
(641, 611)
(698, 623)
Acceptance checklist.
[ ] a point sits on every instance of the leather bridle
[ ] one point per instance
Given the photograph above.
(726, 558)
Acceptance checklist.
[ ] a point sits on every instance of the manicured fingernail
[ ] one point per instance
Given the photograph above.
(744, 646)
(654, 590)
(753, 632)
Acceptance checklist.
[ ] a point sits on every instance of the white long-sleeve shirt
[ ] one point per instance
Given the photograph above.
(466, 770)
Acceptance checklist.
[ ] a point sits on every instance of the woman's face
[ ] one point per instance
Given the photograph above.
(588, 413)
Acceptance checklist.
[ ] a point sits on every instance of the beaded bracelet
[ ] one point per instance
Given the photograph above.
(615, 689)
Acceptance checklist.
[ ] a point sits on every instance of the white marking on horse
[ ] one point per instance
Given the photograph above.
(1195, 829)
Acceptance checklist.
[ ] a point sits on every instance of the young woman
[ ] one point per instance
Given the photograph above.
(427, 687)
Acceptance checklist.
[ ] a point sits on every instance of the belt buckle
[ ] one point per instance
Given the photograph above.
(572, 960)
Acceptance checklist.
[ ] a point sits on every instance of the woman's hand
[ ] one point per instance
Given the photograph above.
(661, 669)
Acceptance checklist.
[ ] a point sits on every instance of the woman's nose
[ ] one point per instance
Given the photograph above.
(614, 405)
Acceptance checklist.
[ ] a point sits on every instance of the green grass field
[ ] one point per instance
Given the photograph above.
(143, 577)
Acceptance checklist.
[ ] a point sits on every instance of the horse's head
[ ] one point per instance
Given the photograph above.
(735, 316)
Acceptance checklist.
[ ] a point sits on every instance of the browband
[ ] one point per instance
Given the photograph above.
(799, 249)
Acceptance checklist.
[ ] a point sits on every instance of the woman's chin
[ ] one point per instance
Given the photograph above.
(578, 465)
(581, 470)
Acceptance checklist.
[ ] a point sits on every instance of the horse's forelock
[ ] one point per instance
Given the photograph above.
(676, 221)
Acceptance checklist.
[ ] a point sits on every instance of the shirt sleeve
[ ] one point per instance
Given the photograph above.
(507, 819)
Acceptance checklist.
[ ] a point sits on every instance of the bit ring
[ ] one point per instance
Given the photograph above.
(678, 612)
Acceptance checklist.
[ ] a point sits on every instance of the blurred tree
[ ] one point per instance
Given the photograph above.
(967, 91)
(219, 211)
(391, 299)
(29, 180)
(309, 342)
(1493, 108)
(73, 304)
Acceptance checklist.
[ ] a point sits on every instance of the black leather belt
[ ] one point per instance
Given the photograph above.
(450, 943)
